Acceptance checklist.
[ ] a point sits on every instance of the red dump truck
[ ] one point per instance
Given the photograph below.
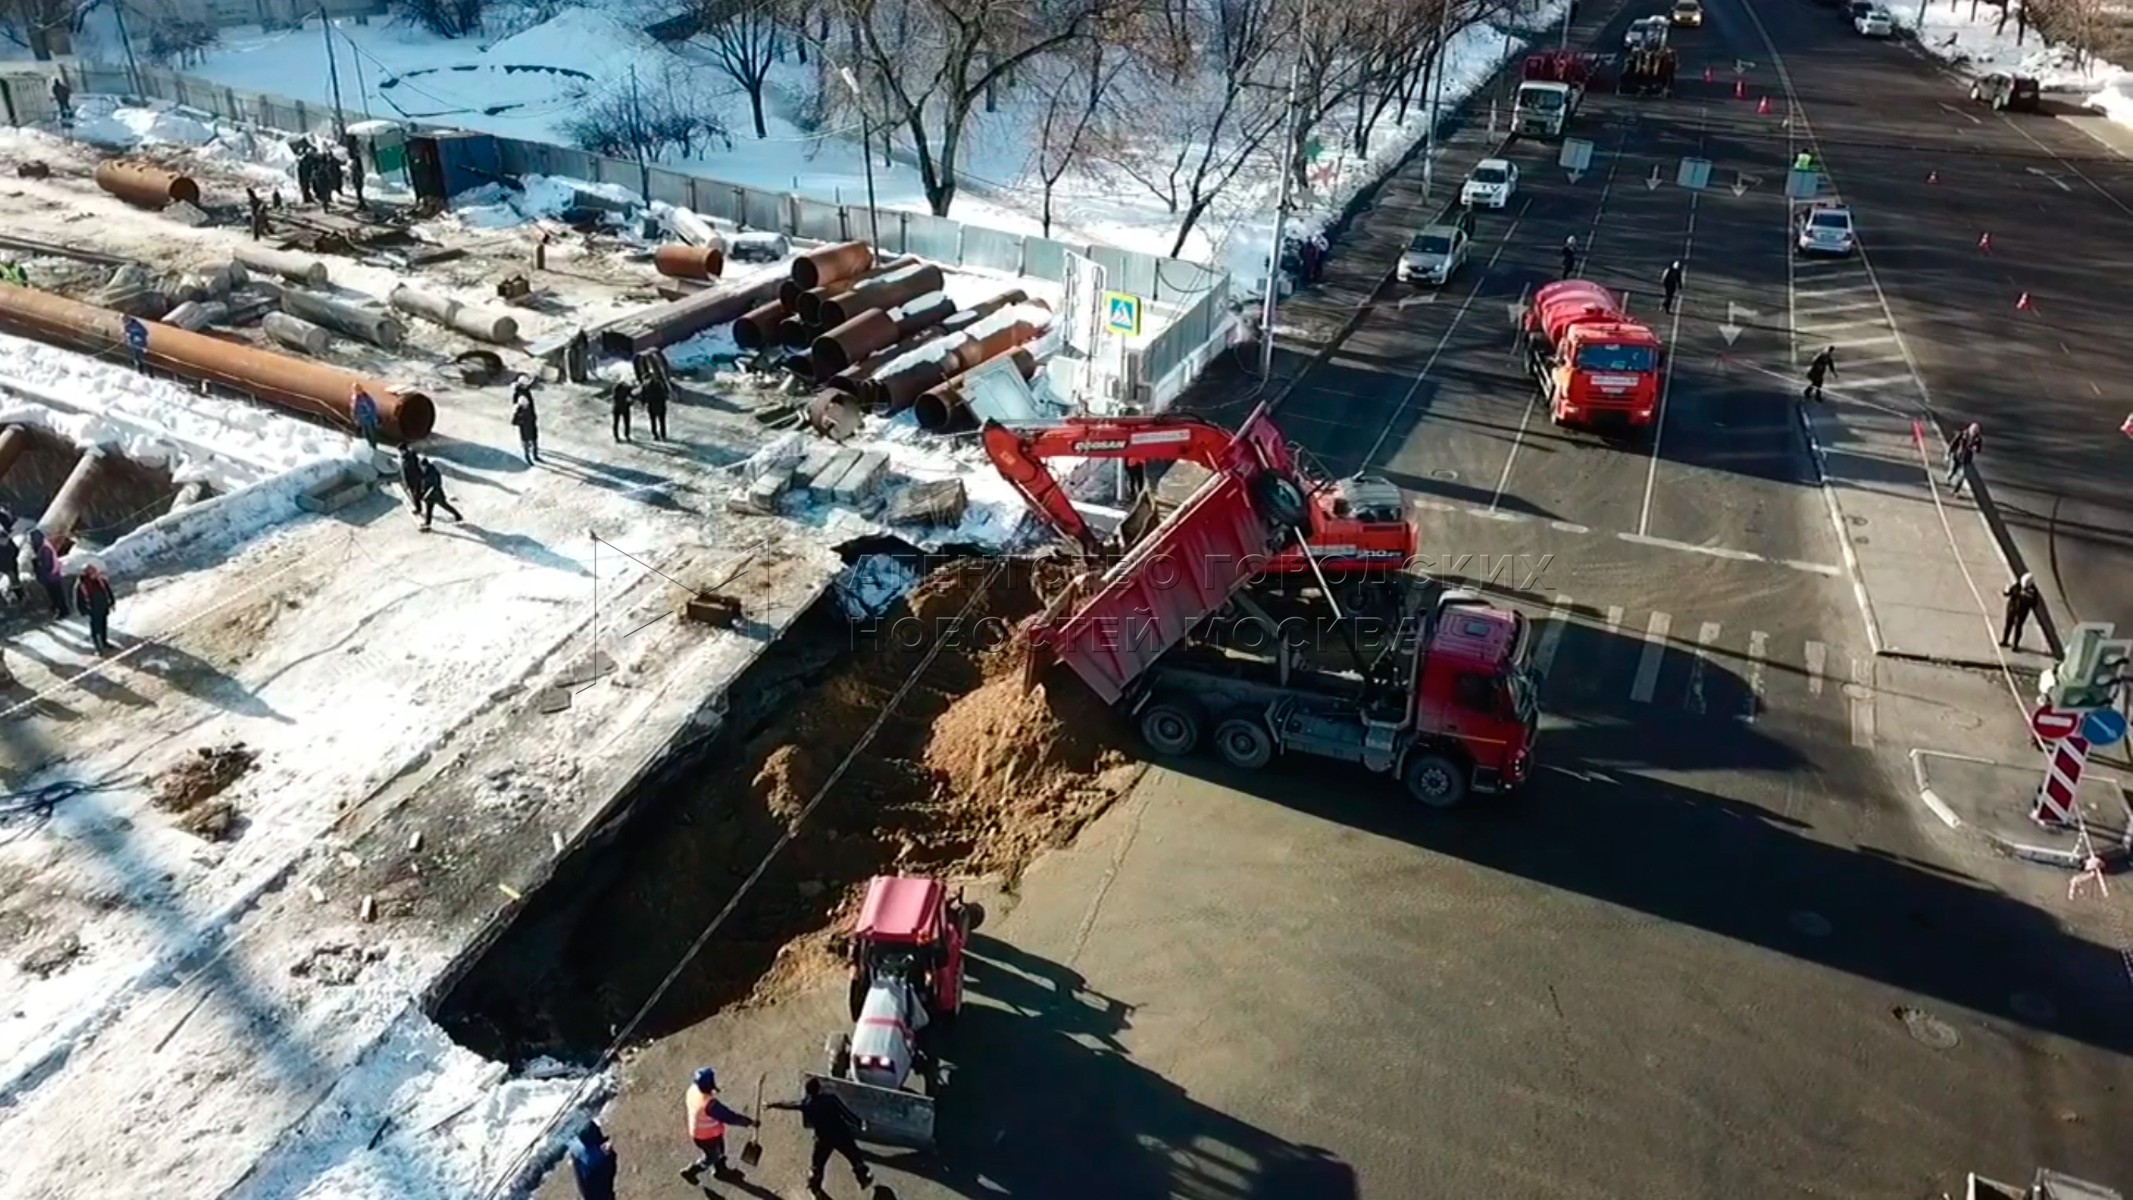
(1594, 364)
(1447, 703)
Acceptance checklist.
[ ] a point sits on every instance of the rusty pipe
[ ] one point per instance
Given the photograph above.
(789, 295)
(808, 302)
(854, 378)
(689, 262)
(831, 263)
(147, 186)
(758, 327)
(894, 391)
(64, 512)
(13, 441)
(794, 334)
(835, 415)
(874, 329)
(945, 407)
(885, 291)
(278, 379)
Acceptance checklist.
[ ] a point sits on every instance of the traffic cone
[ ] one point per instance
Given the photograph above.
(1740, 89)
(2127, 428)
(1984, 242)
(1707, 74)
(2022, 303)
(1762, 107)
(1933, 177)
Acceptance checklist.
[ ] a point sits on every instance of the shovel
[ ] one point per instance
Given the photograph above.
(752, 1152)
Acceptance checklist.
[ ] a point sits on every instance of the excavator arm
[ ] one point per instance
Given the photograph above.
(1019, 453)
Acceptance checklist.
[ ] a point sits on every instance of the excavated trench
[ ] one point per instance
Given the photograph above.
(124, 496)
(968, 775)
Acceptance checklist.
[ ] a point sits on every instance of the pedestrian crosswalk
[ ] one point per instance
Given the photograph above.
(1652, 663)
(1836, 303)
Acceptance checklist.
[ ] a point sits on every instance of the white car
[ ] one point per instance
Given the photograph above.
(1827, 229)
(1875, 22)
(1492, 184)
(1435, 255)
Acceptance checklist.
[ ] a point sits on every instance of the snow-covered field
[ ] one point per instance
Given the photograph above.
(1974, 38)
(529, 84)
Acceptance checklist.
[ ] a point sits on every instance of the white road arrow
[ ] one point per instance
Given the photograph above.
(1741, 184)
(2055, 180)
(1651, 183)
(1735, 317)
(1407, 302)
(1742, 66)
(1576, 175)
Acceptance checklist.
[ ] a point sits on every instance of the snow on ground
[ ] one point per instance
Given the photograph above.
(406, 73)
(1975, 38)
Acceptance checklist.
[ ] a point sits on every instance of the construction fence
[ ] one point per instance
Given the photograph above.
(1186, 305)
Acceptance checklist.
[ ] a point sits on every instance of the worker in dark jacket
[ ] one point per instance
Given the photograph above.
(92, 595)
(63, 99)
(1824, 365)
(836, 1129)
(10, 569)
(354, 150)
(411, 477)
(526, 419)
(1670, 284)
(44, 562)
(654, 391)
(2023, 601)
(365, 411)
(433, 497)
(1570, 256)
(306, 173)
(619, 402)
(592, 1161)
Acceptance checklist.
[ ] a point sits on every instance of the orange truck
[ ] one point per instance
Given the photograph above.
(1595, 365)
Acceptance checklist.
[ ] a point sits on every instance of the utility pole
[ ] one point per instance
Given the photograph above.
(866, 153)
(333, 72)
(1569, 10)
(1436, 96)
(133, 69)
(1281, 211)
(644, 171)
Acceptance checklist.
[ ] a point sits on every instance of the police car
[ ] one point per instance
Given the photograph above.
(1827, 229)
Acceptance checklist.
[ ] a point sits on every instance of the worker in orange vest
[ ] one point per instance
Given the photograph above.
(707, 1127)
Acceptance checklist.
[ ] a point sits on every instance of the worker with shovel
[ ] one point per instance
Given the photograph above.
(836, 1129)
(707, 1127)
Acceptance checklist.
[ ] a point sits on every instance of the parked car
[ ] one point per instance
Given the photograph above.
(1645, 33)
(2004, 92)
(1875, 22)
(1687, 14)
(1827, 229)
(1491, 185)
(1852, 10)
(1435, 255)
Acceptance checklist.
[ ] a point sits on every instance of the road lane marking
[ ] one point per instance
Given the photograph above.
(1640, 690)
(1758, 647)
(1817, 655)
(1458, 316)
(1883, 361)
(1861, 694)
(1614, 621)
(1854, 386)
(1706, 637)
(1552, 636)
(1877, 339)
(1726, 552)
(1673, 338)
(1970, 117)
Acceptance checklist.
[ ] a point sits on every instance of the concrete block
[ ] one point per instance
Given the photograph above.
(710, 608)
(825, 479)
(813, 463)
(862, 480)
(928, 502)
(768, 487)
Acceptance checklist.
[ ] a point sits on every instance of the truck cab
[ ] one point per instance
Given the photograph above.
(1474, 690)
(1595, 364)
(1543, 107)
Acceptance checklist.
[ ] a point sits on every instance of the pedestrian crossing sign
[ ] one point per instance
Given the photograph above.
(1122, 313)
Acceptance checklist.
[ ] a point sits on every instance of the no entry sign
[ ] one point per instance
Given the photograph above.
(2051, 724)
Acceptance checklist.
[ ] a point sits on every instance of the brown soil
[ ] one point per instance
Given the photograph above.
(193, 789)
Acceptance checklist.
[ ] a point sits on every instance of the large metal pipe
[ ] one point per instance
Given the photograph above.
(197, 315)
(794, 334)
(876, 328)
(276, 378)
(944, 407)
(831, 263)
(64, 512)
(854, 378)
(789, 295)
(689, 262)
(376, 328)
(481, 324)
(677, 320)
(13, 441)
(808, 303)
(758, 327)
(148, 186)
(894, 388)
(887, 291)
(296, 333)
(296, 268)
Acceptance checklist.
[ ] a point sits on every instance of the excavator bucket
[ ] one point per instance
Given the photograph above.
(888, 1116)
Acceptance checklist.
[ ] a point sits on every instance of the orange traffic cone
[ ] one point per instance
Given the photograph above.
(1762, 107)
(2022, 303)
(1740, 89)
(2127, 428)
(1984, 242)
(1707, 74)
(1933, 177)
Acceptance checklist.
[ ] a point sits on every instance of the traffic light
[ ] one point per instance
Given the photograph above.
(2091, 671)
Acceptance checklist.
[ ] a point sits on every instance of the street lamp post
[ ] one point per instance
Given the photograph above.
(1281, 213)
(1436, 96)
(866, 152)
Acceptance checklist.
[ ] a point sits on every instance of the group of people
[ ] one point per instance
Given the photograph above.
(90, 593)
(654, 387)
(425, 487)
(320, 174)
(835, 1128)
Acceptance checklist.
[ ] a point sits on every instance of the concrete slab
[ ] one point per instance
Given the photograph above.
(1990, 800)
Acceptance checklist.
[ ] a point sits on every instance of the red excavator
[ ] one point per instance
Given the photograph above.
(1355, 527)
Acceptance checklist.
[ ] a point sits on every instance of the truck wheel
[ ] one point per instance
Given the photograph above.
(1435, 780)
(1243, 742)
(1171, 726)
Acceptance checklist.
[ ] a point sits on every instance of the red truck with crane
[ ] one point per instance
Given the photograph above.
(1447, 703)
(1593, 362)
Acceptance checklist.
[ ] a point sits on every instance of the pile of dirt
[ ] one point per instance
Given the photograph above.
(192, 788)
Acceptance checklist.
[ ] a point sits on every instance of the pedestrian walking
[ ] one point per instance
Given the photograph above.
(44, 564)
(593, 1163)
(365, 411)
(528, 423)
(1670, 283)
(1823, 366)
(1961, 450)
(411, 478)
(540, 251)
(836, 1128)
(258, 210)
(1570, 256)
(63, 99)
(329, 178)
(577, 358)
(306, 173)
(92, 596)
(354, 150)
(707, 1120)
(619, 402)
(1320, 251)
(433, 497)
(654, 392)
(2022, 602)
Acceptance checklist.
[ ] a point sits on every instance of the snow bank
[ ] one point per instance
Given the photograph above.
(1978, 44)
(213, 527)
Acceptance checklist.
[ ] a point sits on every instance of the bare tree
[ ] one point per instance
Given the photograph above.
(1063, 129)
(43, 27)
(743, 38)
